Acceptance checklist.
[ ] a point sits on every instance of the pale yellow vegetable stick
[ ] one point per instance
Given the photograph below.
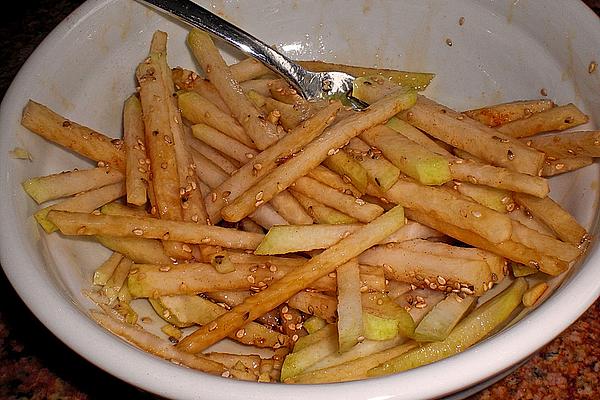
(261, 87)
(153, 344)
(315, 303)
(553, 119)
(451, 208)
(290, 209)
(433, 271)
(380, 171)
(321, 213)
(262, 132)
(223, 143)
(295, 281)
(349, 306)
(197, 109)
(113, 286)
(328, 177)
(213, 155)
(416, 80)
(63, 184)
(510, 249)
(140, 250)
(499, 114)
(472, 136)
(137, 167)
(84, 202)
(247, 69)
(544, 244)
(497, 199)
(189, 80)
(214, 176)
(351, 370)
(103, 273)
(150, 280)
(315, 152)
(191, 198)
(267, 160)
(494, 262)
(155, 97)
(567, 144)
(85, 141)
(564, 225)
(497, 177)
(349, 205)
(561, 165)
(74, 223)
(410, 157)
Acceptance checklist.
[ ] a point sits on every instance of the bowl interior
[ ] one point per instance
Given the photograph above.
(504, 51)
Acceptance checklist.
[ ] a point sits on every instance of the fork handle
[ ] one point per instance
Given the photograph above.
(201, 18)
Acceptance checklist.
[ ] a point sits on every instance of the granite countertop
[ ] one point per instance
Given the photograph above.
(36, 365)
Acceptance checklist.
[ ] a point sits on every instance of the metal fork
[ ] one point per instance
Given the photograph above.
(311, 85)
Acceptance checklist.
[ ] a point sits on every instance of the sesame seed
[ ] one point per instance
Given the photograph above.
(249, 155)
(295, 338)
(205, 240)
(331, 152)
(592, 67)
(441, 280)
(250, 279)
(213, 196)
(461, 21)
(164, 268)
(166, 236)
(258, 203)
(449, 42)
(559, 166)
(476, 214)
(360, 202)
(420, 305)
(544, 92)
(186, 248)
(138, 232)
(258, 167)
(240, 334)
(226, 194)
(466, 290)
(212, 326)
(510, 155)
(226, 374)
(259, 195)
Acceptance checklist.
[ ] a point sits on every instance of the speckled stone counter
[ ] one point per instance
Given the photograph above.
(36, 365)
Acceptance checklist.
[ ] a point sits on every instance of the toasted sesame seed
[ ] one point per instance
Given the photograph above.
(461, 21)
(466, 290)
(259, 195)
(138, 232)
(249, 155)
(449, 42)
(258, 203)
(476, 214)
(331, 152)
(205, 240)
(212, 326)
(226, 374)
(441, 280)
(164, 268)
(240, 333)
(592, 67)
(544, 92)
(257, 166)
(420, 305)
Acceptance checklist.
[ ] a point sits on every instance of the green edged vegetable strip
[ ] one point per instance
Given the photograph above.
(476, 326)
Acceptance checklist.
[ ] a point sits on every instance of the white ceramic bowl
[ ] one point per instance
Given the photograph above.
(505, 50)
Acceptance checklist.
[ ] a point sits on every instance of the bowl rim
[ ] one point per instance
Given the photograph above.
(492, 356)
